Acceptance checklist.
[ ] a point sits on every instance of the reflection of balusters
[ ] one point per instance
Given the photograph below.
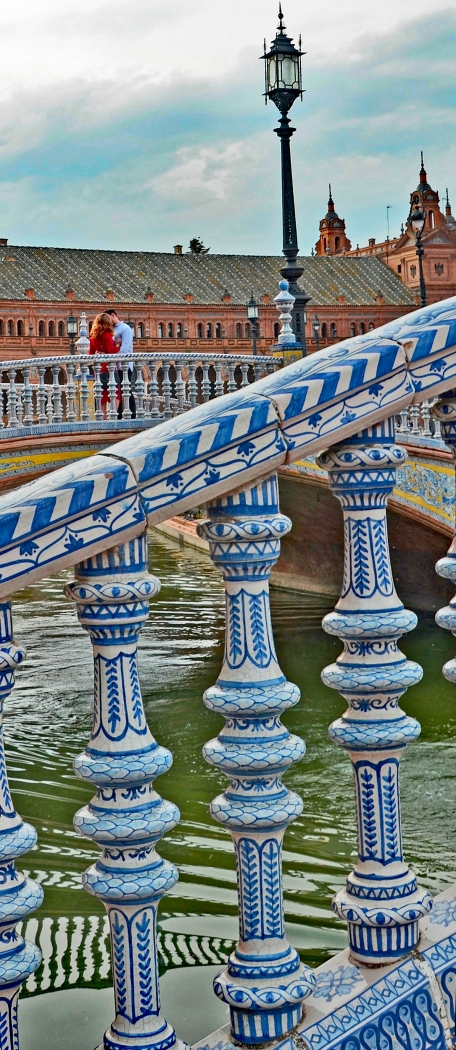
(206, 384)
(42, 417)
(139, 389)
(71, 393)
(219, 388)
(381, 901)
(12, 399)
(126, 817)
(180, 386)
(264, 983)
(111, 407)
(28, 401)
(57, 395)
(97, 390)
(231, 381)
(245, 374)
(167, 413)
(85, 416)
(192, 385)
(19, 896)
(153, 391)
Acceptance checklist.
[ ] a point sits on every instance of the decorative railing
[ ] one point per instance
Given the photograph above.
(85, 392)
(342, 403)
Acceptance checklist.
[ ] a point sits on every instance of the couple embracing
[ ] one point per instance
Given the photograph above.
(110, 335)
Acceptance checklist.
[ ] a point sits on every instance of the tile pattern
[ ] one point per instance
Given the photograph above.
(264, 983)
(126, 818)
(381, 901)
(19, 895)
(171, 277)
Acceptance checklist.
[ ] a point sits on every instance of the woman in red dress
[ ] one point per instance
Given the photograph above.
(102, 342)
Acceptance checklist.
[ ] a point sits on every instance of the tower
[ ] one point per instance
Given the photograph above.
(333, 240)
(429, 199)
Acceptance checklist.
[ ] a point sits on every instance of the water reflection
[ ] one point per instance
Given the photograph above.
(48, 721)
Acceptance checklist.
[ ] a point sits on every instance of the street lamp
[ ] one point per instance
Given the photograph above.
(253, 314)
(72, 330)
(417, 219)
(316, 330)
(283, 85)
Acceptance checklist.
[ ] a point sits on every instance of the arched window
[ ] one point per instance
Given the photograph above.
(333, 331)
(40, 329)
(248, 331)
(140, 330)
(209, 331)
(324, 331)
(1, 327)
(199, 331)
(90, 326)
(352, 329)
(431, 220)
(20, 328)
(179, 331)
(371, 326)
(160, 331)
(324, 243)
(61, 330)
(218, 331)
(51, 329)
(276, 330)
(238, 331)
(10, 328)
(362, 328)
(337, 244)
(170, 330)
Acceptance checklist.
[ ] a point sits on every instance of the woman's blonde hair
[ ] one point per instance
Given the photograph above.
(102, 323)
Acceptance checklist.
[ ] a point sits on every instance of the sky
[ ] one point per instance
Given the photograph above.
(138, 124)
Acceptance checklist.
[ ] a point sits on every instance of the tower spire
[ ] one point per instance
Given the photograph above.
(423, 176)
(447, 204)
(330, 200)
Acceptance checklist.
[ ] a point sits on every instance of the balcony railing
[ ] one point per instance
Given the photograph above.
(342, 404)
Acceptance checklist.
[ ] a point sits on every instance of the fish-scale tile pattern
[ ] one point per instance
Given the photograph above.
(91, 273)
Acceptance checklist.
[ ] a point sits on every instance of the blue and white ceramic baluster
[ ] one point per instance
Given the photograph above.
(444, 412)
(126, 817)
(381, 901)
(264, 983)
(19, 896)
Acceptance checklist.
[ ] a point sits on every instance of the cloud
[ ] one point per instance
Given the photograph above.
(141, 160)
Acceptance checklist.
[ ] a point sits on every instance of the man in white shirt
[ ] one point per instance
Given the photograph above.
(123, 338)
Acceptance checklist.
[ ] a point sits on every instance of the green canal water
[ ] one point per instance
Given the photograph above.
(47, 722)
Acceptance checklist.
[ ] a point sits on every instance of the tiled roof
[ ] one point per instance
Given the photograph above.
(91, 273)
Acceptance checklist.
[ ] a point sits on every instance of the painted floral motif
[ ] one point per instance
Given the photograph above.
(444, 912)
(338, 982)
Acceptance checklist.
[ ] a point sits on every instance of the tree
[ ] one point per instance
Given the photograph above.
(196, 246)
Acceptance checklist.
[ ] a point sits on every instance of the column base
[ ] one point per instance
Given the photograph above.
(165, 1040)
(378, 946)
(253, 1027)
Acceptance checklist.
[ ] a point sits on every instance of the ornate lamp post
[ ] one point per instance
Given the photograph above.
(316, 331)
(417, 219)
(72, 330)
(253, 314)
(283, 85)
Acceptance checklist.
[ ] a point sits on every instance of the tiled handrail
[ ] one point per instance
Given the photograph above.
(66, 392)
(225, 453)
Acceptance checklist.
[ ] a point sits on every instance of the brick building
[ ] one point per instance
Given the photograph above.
(439, 243)
(183, 301)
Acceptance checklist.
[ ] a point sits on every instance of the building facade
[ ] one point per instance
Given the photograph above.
(192, 302)
(438, 240)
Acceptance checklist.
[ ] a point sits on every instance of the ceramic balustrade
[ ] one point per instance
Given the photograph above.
(126, 817)
(444, 411)
(19, 896)
(56, 391)
(381, 901)
(264, 983)
(418, 424)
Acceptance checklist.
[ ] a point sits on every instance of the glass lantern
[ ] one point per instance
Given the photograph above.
(283, 83)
